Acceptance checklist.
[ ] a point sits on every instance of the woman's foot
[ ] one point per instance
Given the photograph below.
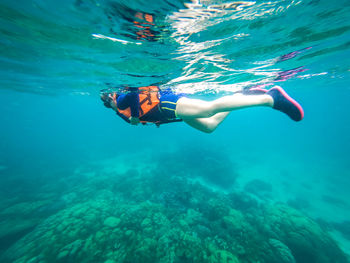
(284, 103)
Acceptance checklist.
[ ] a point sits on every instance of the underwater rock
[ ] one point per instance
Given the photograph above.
(112, 221)
(146, 222)
(305, 239)
(335, 201)
(14, 229)
(223, 256)
(281, 252)
(299, 203)
(258, 187)
(19, 219)
(200, 162)
(235, 223)
(242, 201)
(68, 253)
(343, 228)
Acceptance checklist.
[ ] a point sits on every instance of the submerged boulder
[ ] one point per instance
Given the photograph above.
(281, 253)
(305, 239)
(223, 256)
(111, 221)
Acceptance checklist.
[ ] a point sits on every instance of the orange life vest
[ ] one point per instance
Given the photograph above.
(149, 99)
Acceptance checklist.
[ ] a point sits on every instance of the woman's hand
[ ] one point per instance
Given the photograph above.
(134, 120)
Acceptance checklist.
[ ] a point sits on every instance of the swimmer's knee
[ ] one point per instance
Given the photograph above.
(208, 130)
(209, 126)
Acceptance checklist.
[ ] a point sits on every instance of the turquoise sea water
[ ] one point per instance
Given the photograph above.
(78, 184)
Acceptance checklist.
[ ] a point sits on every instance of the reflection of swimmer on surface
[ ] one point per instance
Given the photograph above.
(292, 54)
(144, 26)
(131, 23)
(287, 74)
(151, 105)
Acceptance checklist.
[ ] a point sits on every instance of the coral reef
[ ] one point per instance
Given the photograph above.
(343, 228)
(209, 164)
(147, 216)
(258, 188)
(299, 203)
(19, 217)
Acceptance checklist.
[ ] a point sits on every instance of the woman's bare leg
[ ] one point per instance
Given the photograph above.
(207, 125)
(193, 108)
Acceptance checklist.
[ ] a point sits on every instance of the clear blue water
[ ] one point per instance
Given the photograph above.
(56, 137)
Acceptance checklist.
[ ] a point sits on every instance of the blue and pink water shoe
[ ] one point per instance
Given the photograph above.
(284, 103)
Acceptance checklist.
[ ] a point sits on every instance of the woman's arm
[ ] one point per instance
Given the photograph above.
(130, 100)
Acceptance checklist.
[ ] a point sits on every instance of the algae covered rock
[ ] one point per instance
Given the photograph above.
(281, 253)
(69, 252)
(112, 221)
(223, 256)
(304, 238)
